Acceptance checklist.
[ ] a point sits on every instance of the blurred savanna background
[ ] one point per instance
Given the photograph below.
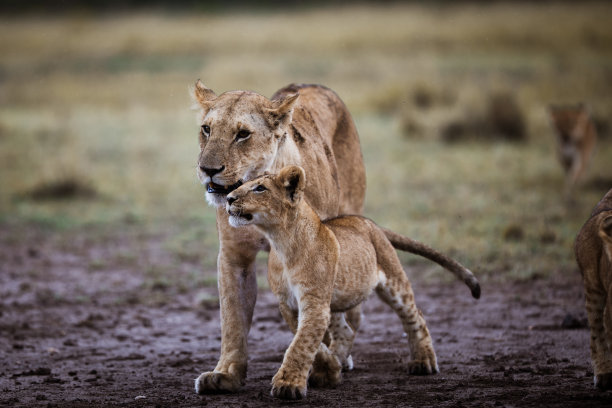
(98, 142)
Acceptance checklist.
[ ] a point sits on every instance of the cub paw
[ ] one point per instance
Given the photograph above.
(347, 365)
(286, 390)
(216, 381)
(423, 367)
(326, 371)
(603, 381)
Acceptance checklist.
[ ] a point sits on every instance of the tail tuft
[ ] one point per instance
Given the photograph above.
(476, 290)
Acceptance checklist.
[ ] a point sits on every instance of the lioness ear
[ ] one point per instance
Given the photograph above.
(281, 114)
(293, 179)
(202, 94)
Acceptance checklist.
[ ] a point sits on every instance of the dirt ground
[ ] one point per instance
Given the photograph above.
(76, 335)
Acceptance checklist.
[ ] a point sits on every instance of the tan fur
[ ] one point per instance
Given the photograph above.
(576, 137)
(243, 135)
(593, 250)
(318, 270)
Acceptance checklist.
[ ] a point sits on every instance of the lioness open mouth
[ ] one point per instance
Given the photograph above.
(214, 188)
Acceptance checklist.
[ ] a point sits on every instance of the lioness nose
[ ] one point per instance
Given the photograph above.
(230, 199)
(211, 172)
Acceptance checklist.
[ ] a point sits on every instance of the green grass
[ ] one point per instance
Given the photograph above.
(103, 102)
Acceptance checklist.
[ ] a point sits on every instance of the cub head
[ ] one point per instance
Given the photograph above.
(605, 233)
(240, 133)
(268, 200)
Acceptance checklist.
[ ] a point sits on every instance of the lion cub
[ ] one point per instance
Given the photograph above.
(593, 250)
(576, 137)
(318, 270)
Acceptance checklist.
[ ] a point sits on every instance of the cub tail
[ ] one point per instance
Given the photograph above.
(406, 244)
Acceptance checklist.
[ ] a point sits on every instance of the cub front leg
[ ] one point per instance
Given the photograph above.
(326, 367)
(598, 305)
(237, 296)
(290, 380)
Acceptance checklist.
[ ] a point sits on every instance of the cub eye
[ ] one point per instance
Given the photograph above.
(259, 189)
(243, 134)
(206, 129)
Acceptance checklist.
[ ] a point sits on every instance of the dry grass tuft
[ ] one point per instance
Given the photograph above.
(68, 188)
(514, 233)
(505, 118)
(496, 116)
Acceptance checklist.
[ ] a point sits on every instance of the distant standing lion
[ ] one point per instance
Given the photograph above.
(593, 250)
(576, 137)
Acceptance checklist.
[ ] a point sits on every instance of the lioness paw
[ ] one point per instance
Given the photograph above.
(216, 381)
(603, 381)
(423, 367)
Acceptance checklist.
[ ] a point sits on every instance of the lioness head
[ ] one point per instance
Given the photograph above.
(240, 133)
(268, 199)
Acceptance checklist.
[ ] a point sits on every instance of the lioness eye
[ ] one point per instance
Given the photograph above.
(205, 129)
(259, 189)
(243, 134)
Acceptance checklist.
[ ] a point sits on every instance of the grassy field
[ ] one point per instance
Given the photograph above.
(96, 130)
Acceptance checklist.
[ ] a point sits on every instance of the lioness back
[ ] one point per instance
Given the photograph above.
(322, 108)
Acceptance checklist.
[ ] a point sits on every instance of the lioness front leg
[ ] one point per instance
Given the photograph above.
(237, 296)
(290, 380)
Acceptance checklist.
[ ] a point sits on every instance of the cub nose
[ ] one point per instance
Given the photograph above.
(211, 172)
(231, 199)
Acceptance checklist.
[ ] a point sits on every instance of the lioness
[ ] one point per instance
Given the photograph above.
(576, 137)
(319, 270)
(593, 249)
(243, 135)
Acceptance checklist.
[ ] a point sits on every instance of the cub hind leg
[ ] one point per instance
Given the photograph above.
(334, 353)
(342, 337)
(401, 299)
(394, 289)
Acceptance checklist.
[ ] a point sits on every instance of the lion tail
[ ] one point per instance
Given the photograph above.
(404, 243)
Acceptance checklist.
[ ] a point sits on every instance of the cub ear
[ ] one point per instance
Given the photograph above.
(202, 95)
(281, 113)
(293, 179)
(605, 228)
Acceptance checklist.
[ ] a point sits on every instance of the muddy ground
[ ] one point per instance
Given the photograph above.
(79, 333)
